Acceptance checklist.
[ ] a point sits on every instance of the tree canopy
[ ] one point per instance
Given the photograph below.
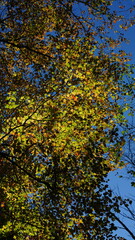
(61, 87)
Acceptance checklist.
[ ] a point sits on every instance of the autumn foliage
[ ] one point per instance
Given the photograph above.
(61, 82)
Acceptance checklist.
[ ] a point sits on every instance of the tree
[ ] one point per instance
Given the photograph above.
(59, 118)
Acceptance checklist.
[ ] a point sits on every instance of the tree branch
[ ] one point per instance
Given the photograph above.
(124, 226)
(10, 159)
(25, 47)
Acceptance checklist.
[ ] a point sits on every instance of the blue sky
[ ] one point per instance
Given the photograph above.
(123, 187)
(119, 185)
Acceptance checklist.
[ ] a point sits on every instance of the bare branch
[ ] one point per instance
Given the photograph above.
(124, 226)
